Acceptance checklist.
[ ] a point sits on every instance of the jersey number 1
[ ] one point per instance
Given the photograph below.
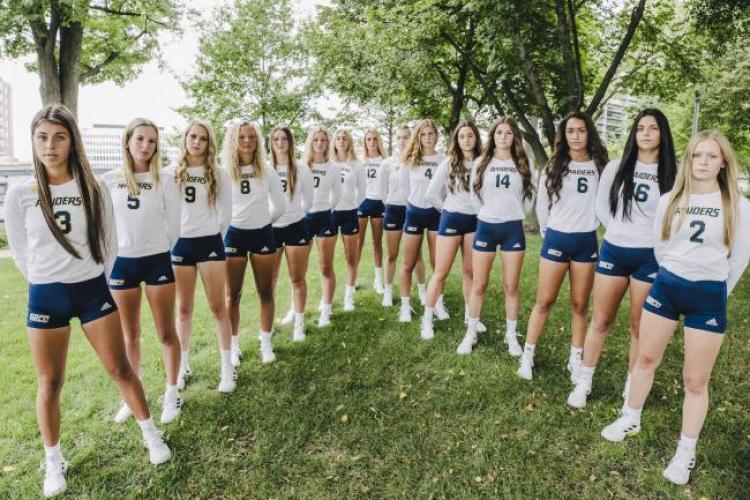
(504, 181)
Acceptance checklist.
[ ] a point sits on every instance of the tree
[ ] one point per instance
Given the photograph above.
(252, 65)
(82, 41)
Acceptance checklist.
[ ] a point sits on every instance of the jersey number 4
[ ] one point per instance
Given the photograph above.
(63, 221)
(502, 181)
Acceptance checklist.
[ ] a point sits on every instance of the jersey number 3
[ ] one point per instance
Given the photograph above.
(63, 221)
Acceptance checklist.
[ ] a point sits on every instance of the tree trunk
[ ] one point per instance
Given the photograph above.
(71, 38)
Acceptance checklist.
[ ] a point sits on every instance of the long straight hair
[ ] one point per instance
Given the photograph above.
(128, 165)
(291, 164)
(558, 165)
(623, 186)
(517, 154)
(80, 170)
(728, 186)
(309, 154)
(381, 149)
(350, 153)
(412, 155)
(209, 161)
(459, 174)
(230, 156)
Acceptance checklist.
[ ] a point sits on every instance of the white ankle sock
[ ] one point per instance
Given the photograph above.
(529, 349)
(53, 452)
(422, 288)
(379, 274)
(428, 313)
(510, 326)
(299, 318)
(226, 357)
(633, 413)
(576, 351)
(586, 372)
(349, 291)
(687, 443)
(185, 359)
(405, 301)
(472, 325)
(235, 341)
(172, 390)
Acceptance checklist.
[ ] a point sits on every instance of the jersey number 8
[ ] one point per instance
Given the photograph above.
(245, 186)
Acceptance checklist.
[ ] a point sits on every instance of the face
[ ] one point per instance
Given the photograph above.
(52, 144)
(320, 143)
(247, 141)
(647, 134)
(402, 139)
(428, 137)
(142, 144)
(280, 144)
(371, 142)
(707, 160)
(503, 136)
(466, 139)
(196, 141)
(341, 142)
(576, 134)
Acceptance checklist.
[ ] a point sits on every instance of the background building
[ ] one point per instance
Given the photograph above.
(102, 144)
(6, 123)
(614, 122)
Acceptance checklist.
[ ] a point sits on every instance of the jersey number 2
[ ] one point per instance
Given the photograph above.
(696, 237)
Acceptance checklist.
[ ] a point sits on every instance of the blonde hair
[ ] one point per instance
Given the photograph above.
(154, 164)
(309, 155)
(381, 150)
(412, 155)
(350, 153)
(230, 157)
(727, 178)
(209, 162)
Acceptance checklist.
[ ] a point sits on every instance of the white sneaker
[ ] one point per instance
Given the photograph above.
(158, 451)
(324, 319)
(441, 312)
(387, 298)
(678, 470)
(288, 318)
(620, 429)
(577, 397)
(525, 368)
(404, 314)
(467, 344)
(514, 348)
(348, 304)
(236, 356)
(378, 286)
(123, 413)
(574, 364)
(299, 333)
(54, 476)
(183, 377)
(171, 409)
(228, 381)
(266, 349)
(428, 331)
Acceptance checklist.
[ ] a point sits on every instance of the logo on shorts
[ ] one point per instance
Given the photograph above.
(176, 258)
(230, 250)
(303, 240)
(606, 265)
(450, 230)
(517, 245)
(115, 282)
(653, 302)
(712, 322)
(411, 228)
(594, 255)
(212, 254)
(39, 318)
(652, 276)
(482, 244)
(328, 231)
(264, 249)
(387, 225)
(106, 306)
(555, 252)
(162, 278)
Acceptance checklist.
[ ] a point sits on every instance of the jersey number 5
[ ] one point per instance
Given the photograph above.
(63, 221)
(133, 203)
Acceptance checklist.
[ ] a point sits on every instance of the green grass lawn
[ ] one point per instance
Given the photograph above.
(366, 409)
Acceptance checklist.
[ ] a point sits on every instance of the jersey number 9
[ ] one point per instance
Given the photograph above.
(190, 194)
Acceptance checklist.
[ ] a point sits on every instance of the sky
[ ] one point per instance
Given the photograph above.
(154, 93)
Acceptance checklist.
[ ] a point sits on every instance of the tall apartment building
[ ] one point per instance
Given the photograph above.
(6, 123)
(614, 123)
(102, 144)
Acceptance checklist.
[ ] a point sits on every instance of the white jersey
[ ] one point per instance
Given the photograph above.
(149, 223)
(575, 209)
(636, 231)
(37, 253)
(326, 186)
(300, 200)
(390, 181)
(197, 217)
(696, 250)
(353, 185)
(414, 180)
(440, 195)
(374, 167)
(256, 201)
(502, 197)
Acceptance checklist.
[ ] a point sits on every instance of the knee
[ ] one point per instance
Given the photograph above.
(544, 305)
(266, 294)
(298, 282)
(511, 289)
(50, 386)
(647, 361)
(600, 324)
(233, 297)
(479, 287)
(184, 311)
(579, 307)
(167, 335)
(392, 257)
(327, 272)
(218, 308)
(696, 383)
(132, 338)
(121, 371)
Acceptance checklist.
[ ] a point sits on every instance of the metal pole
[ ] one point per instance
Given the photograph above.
(696, 111)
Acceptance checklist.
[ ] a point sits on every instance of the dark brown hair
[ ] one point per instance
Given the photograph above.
(458, 170)
(292, 175)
